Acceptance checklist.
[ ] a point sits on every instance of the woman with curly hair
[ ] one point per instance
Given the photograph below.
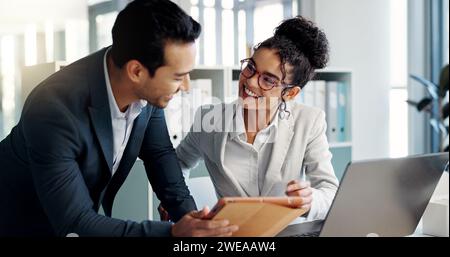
(259, 145)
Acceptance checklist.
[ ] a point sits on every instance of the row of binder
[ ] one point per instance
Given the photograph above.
(330, 96)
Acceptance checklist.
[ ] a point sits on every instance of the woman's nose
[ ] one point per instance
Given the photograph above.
(253, 81)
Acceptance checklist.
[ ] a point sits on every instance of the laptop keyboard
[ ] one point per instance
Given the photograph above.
(305, 229)
(309, 234)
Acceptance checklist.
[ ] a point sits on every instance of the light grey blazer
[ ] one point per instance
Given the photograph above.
(300, 139)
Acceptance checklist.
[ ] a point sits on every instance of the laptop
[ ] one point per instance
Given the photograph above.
(384, 197)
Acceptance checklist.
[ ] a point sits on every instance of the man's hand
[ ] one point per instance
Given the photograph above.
(163, 214)
(192, 224)
(302, 189)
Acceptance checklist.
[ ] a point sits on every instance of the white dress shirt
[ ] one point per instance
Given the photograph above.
(249, 162)
(122, 122)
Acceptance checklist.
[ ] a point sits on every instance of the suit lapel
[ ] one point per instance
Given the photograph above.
(99, 111)
(278, 155)
(101, 120)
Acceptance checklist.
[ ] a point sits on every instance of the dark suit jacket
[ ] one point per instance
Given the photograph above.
(58, 159)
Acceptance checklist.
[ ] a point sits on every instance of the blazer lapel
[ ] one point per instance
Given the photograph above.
(128, 159)
(278, 155)
(101, 120)
(99, 111)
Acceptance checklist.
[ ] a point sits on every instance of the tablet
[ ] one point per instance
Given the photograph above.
(286, 201)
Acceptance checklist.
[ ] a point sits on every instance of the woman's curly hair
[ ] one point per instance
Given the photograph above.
(301, 44)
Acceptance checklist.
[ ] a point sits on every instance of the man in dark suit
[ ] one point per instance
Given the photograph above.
(82, 129)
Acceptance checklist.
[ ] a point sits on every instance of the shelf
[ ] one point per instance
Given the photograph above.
(334, 70)
(340, 144)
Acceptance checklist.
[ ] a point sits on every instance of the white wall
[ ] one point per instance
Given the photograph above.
(358, 31)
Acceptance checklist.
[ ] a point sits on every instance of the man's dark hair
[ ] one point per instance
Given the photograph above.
(301, 44)
(143, 28)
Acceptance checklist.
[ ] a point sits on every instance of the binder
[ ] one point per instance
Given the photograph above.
(234, 91)
(181, 109)
(342, 112)
(308, 93)
(332, 111)
(320, 94)
(200, 93)
(173, 116)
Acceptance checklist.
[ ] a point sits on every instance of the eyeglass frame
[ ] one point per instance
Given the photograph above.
(279, 83)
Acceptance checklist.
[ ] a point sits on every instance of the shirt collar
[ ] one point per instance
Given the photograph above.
(133, 109)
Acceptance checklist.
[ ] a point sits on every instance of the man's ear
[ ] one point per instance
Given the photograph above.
(135, 71)
(291, 93)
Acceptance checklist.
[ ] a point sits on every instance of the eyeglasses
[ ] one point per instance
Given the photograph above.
(265, 81)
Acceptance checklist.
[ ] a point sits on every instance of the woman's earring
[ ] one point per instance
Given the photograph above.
(282, 110)
(281, 114)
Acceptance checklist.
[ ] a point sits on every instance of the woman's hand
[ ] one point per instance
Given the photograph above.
(302, 189)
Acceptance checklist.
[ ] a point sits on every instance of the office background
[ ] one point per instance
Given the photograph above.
(375, 46)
